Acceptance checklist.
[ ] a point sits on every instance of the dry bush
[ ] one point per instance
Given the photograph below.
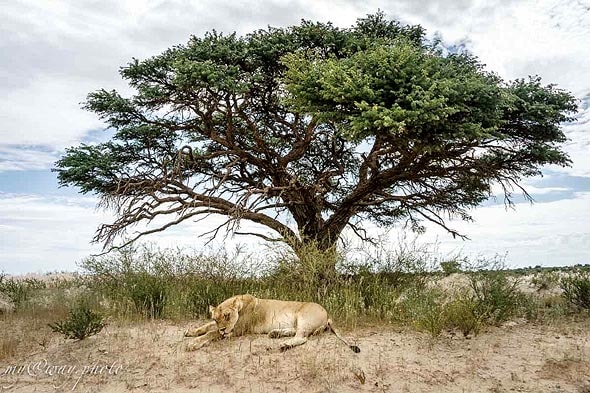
(576, 289)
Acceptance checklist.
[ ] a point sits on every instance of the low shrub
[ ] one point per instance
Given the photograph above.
(168, 283)
(424, 309)
(576, 289)
(140, 278)
(148, 292)
(173, 284)
(461, 314)
(450, 267)
(495, 295)
(81, 322)
(545, 280)
(200, 294)
(19, 291)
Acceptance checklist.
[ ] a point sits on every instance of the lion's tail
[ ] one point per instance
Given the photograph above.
(330, 327)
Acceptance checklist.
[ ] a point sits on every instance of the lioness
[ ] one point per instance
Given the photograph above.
(243, 314)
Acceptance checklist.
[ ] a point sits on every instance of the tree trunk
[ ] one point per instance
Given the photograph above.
(316, 249)
(318, 254)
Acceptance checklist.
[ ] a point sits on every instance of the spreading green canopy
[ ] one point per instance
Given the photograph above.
(316, 127)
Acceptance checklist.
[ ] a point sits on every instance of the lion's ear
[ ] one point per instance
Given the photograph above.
(238, 304)
(212, 310)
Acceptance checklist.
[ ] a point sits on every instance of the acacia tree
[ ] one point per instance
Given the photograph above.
(314, 126)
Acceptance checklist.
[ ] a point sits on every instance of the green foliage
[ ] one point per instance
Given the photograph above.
(491, 298)
(450, 267)
(204, 293)
(147, 291)
(545, 280)
(496, 296)
(398, 286)
(425, 310)
(314, 125)
(391, 89)
(461, 313)
(432, 310)
(386, 285)
(551, 308)
(19, 291)
(81, 322)
(576, 289)
(313, 270)
(133, 277)
(192, 282)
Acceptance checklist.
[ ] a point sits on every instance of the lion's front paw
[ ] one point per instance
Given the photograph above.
(194, 332)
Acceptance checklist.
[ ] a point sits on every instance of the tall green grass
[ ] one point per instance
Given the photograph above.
(155, 283)
(374, 285)
(381, 285)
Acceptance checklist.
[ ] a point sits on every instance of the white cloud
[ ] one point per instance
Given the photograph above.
(516, 38)
(55, 52)
(41, 234)
(48, 234)
(551, 234)
(20, 158)
(46, 113)
(544, 190)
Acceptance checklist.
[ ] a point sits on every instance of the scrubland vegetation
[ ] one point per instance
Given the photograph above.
(403, 305)
(407, 286)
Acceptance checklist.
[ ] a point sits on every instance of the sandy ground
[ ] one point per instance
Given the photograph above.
(150, 357)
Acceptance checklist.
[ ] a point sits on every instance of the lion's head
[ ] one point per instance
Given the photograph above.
(226, 317)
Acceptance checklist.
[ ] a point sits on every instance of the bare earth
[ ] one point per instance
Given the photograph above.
(150, 357)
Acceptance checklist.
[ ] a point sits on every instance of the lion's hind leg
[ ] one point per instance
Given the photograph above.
(303, 331)
(319, 330)
(201, 330)
(277, 333)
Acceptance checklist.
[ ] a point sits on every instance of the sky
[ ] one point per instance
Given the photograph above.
(53, 53)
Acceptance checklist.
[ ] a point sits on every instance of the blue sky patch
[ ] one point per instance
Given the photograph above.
(42, 182)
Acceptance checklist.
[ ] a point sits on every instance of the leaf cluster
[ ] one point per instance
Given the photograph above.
(81, 322)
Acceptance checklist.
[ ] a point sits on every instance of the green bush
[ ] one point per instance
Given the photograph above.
(81, 322)
(461, 313)
(200, 294)
(174, 284)
(148, 292)
(167, 283)
(495, 295)
(139, 277)
(19, 291)
(433, 310)
(576, 289)
(424, 309)
(450, 267)
(545, 280)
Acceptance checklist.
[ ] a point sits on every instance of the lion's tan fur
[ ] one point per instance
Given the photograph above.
(246, 314)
